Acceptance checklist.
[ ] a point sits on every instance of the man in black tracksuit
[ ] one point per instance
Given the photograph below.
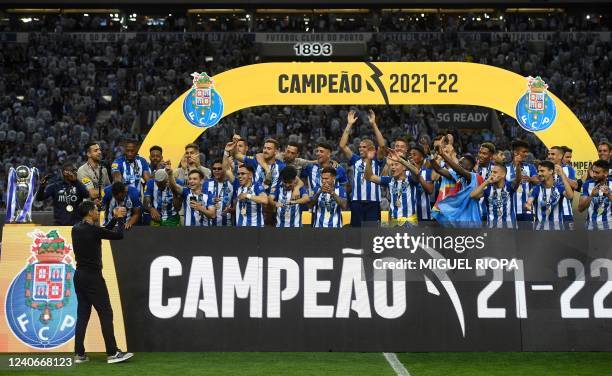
(67, 194)
(88, 281)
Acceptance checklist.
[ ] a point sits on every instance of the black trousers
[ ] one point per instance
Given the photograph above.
(91, 290)
(364, 211)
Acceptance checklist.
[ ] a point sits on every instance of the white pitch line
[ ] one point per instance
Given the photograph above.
(397, 366)
(541, 287)
(352, 251)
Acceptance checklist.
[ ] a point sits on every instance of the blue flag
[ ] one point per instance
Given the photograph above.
(459, 210)
(11, 200)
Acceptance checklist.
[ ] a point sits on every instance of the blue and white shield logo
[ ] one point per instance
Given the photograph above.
(40, 303)
(536, 110)
(203, 106)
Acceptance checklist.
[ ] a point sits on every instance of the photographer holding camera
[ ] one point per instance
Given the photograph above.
(89, 284)
(67, 195)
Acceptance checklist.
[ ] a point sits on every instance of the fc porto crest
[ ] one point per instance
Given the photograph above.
(536, 110)
(41, 304)
(203, 106)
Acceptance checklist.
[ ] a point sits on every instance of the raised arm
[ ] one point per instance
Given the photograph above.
(43, 191)
(568, 191)
(237, 155)
(380, 140)
(454, 165)
(174, 187)
(351, 118)
(227, 167)
(415, 175)
(262, 162)
(435, 165)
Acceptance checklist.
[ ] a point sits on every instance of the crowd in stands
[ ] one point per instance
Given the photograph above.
(58, 93)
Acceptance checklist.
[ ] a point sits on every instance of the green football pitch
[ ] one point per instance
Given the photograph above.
(294, 364)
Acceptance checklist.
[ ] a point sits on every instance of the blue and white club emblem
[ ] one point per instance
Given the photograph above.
(536, 110)
(203, 106)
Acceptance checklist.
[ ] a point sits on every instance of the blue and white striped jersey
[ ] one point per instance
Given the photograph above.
(499, 204)
(131, 171)
(422, 199)
(326, 212)
(437, 182)
(289, 215)
(569, 171)
(130, 202)
(364, 190)
(195, 217)
(312, 173)
(403, 196)
(522, 191)
(599, 214)
(547, 207)
(484, 172)
(271, 184)
(224, 192)
(249, 213)
(162, 200)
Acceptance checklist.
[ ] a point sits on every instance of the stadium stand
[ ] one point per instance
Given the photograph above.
(57, 93)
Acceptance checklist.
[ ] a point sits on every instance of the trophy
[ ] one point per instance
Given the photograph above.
(20, 194)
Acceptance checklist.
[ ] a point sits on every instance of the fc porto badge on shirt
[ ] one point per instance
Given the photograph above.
(536, 110)
(40, 304)
(203, 106)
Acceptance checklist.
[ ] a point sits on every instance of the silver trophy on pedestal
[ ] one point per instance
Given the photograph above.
(21, 188)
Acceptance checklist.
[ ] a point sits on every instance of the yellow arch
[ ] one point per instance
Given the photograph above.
(477, 84)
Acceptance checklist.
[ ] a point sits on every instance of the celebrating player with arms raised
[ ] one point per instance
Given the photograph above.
(365, 203)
